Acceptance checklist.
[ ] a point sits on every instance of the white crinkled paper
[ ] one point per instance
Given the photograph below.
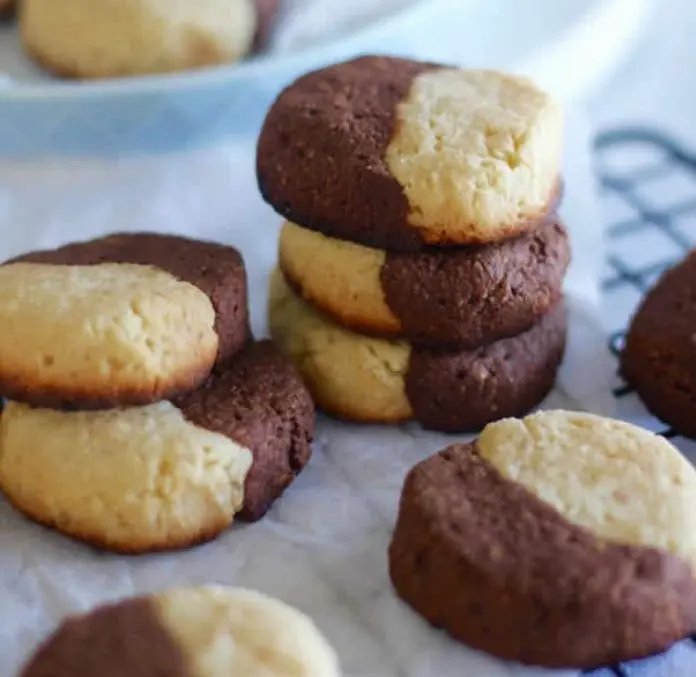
(323, 547)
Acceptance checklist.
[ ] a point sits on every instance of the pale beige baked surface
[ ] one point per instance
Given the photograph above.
(340, 277)
(102, 330)
(621, 482)
(135, 480)
(110, 38)
(350, 376)
(477, 153)
(232, 631)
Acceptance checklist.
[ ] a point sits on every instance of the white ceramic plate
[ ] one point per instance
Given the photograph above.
(568, 46)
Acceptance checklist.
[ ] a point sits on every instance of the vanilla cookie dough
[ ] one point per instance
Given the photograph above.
(127, 319)
(95, 39)
(458, 298)
(209, 631)
(169, 475)
(399, 154)
(562, 539)
(367, 379)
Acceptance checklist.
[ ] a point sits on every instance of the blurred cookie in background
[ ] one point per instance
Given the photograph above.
(92, 39)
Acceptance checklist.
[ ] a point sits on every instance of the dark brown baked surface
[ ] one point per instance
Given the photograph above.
(123, 638)
(472, 296)
(323, 143)
(259, 401)
(217, 270)
(659, 354)
(486, 560)
(463, 391)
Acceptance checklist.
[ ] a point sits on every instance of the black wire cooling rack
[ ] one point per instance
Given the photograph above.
(648, 189)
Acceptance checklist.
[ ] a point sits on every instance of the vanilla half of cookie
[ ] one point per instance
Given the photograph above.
(211, 631)
(169, 475)
(118, 333)
(562, 539)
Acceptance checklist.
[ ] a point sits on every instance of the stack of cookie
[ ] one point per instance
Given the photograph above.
(141, 414)
(422, 262)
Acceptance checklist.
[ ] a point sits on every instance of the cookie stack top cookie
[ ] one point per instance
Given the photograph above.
(398, 155)
(130, 358)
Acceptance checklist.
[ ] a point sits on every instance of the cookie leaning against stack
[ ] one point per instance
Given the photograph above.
(142, 415)
(421, 266)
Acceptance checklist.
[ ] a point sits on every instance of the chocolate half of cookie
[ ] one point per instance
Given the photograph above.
(259, 401)
(659, 354)
(216, 269)
(485, 559)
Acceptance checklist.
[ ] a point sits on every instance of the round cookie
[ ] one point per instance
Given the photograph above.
(115, 38)
(211, 631)
(561, 540)
(366, 379)
(127, 319)
(169, 475)
(457, 298)
(399, 154)
(659, 354)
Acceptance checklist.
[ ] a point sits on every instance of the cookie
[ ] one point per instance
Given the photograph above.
(127, 319)
(659, 356)
(560, 540)
(373, 380)
(397, 154)
(169, 475)
(93, 39)
(459, 298)
(210, 631)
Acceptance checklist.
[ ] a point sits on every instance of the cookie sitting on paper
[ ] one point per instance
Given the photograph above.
(211, 631)
(562, 540)
(169, 475)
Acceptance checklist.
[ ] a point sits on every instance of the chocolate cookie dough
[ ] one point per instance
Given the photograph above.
(366, 379)
(449, 298)
(399, 154)
(563, 540)
(659, 354)
(127, 319)
(225, 451)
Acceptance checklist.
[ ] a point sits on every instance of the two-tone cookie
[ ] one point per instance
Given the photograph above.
(369, 379)
(105, 39)
(562, 540)
(458, 297)
(659, 354)
(127, 319)
(399, 154)
(168, 475)
(211, 631)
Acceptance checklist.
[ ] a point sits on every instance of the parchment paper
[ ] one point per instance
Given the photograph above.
(323, 546)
